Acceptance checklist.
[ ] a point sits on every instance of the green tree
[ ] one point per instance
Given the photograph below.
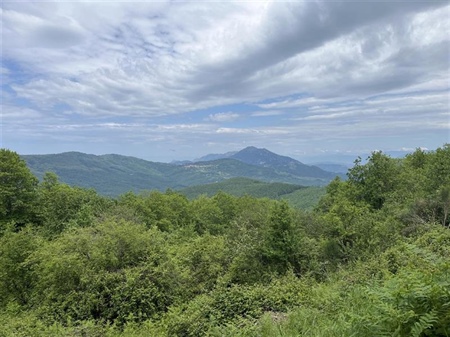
(207, 215)
(443, 202)
(280, 247)
(16, 281)
(204, 259)
(376, 179)
(167, 211)
(17, 189)
(438, 168)
(60, 205)
(424, 188)
(115, 271)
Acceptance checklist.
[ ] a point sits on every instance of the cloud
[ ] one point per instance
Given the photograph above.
(331, 32)
(57, 35)
(223, 117)
(159, 59)
(333, 70)
(410, 149)
(389, 113)
(266, 113)
(12, 113)
(257, 131)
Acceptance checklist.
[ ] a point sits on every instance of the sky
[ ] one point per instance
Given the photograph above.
(174, 80)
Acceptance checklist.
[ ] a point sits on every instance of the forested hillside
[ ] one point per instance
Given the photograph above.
(112, 175)
(371, 259)
(302, 197)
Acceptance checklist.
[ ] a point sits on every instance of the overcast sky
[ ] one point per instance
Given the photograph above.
(178, 80)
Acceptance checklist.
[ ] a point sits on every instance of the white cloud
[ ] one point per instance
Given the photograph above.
(266, 113)
(292, 103)
(13, 113)
(223, 117)
(257, 131)
(333, 70)
(411, 149)
(159, 58)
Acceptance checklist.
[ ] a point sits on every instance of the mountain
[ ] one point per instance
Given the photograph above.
(181, 162)
(228, 168)
(333, 167)
(115, 174)
(108, 174)
(263, 157)
(215, 156)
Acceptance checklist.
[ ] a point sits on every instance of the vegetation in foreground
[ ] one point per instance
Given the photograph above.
(372, 258)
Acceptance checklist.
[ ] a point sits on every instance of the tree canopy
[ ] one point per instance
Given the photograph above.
(18, 188)
(371, 259)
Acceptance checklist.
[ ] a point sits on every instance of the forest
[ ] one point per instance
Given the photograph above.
(372, 258)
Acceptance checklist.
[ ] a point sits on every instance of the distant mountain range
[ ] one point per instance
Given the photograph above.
(263, 157)
(216, 156)
(333, 167)
(116, 174)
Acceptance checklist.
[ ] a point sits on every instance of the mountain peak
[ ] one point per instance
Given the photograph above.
(265, 158)
(261, 157)
(254, 149)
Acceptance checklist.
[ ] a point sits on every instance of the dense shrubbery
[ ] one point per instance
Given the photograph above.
(370, 260)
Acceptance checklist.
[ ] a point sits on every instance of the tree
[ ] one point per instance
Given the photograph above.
(16, 281)
(438, 170)
(60, 205)
(17, 188)
(443, 201)
(425, 183)
(115, 271)
(375, 180)
(281, 239)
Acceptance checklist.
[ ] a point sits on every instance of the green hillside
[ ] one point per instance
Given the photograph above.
(107, 174)
(113, 175)
(220, 169)
(305, 198)
(240, 187)
(301, 197)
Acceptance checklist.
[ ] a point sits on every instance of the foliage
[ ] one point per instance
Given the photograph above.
(16, 281)
(18, 189)
(371, 259)
(165, 211)
(114, 272)
(62, 206)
